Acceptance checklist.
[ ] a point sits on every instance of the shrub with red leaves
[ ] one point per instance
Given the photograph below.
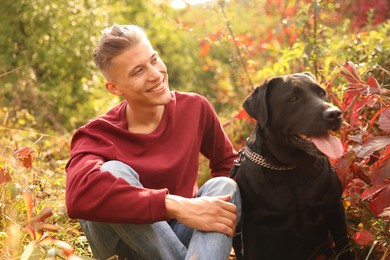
(365, 167)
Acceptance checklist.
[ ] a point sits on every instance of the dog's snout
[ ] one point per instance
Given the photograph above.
(333, 116)
(332, 113)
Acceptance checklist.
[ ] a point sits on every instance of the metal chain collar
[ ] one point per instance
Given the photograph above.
(260, 160)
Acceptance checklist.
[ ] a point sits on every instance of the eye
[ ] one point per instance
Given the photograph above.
(137, 71)
(294, 99)
(155, 59)
(323, 93)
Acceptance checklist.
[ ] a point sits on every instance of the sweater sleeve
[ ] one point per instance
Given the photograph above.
(216, 145)
(99, 196)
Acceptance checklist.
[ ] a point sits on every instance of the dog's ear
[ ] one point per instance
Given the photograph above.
(256, 106)
(310, 75)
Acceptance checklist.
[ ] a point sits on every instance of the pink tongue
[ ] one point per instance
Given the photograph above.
(329, 145)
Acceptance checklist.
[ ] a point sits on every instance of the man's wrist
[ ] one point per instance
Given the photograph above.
(171, 206)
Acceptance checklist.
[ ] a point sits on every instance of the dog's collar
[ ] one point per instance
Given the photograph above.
(260, 160)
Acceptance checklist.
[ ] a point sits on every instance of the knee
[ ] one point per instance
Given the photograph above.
(112, 166)
(223, 186)
(119, 170)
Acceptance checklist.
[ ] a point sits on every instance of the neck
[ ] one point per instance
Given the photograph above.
(143, 120)
(274, 151)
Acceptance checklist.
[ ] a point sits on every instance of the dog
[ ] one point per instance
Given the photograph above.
(291, 195)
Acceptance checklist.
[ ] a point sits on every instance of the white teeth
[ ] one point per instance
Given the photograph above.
(304, 137)
(157, 88)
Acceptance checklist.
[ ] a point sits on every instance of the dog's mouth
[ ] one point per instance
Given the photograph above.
(326, 144)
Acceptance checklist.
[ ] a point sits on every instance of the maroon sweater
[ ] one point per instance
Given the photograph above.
(166, 161)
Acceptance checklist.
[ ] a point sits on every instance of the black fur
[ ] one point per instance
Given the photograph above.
(291, 214)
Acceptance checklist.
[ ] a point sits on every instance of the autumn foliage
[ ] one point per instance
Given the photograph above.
(365, 167)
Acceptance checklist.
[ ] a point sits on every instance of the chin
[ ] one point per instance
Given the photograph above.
(166, 98)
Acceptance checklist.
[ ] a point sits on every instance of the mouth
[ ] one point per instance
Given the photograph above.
(157, 88)
(326, 144)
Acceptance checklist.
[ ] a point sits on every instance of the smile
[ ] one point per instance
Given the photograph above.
(157, 88)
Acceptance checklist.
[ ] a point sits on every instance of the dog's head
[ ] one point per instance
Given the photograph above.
(293, 112)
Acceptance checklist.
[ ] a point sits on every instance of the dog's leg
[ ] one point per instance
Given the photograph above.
(237, 243)
(338, 230)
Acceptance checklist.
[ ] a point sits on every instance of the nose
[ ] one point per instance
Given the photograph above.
(154, 73)
(333, 116)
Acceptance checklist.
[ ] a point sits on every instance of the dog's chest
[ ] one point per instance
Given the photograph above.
(308, 187)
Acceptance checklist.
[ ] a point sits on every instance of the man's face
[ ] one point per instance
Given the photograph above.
(140, 76)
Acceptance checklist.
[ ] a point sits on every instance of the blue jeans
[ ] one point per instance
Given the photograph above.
(160, 240)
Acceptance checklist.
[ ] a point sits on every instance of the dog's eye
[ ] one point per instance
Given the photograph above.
(323, 93)
(294, 99)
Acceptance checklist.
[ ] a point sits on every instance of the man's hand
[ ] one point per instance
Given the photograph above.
(204, 213)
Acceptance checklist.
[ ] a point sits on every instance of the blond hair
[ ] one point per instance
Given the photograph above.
(114, 41)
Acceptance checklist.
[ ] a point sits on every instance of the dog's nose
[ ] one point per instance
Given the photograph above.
(333, 115)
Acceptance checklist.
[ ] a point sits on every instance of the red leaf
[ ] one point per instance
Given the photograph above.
(381, 169)
(384, 120)
(375, 190)
(242, 114)
(351, 74)
(360, 171)
(378, 196)
(28, 200)
(374, 144)
(349, 99)
(342, 167)
(373, 84)
(205, 48)
(5, 175)
(363, 238)
(40, 226)
(357, 108)
(42, 215)
(380, 201)
(358, 138)
(31, 232)
(372, 87)
(25, 156)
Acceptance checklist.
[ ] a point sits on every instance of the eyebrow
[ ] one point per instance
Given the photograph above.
(154, 54)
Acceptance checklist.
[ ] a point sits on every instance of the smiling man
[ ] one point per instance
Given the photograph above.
(131, 178)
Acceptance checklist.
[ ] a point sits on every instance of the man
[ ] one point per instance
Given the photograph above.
(131, 178)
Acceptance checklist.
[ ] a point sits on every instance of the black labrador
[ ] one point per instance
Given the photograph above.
(291, 196)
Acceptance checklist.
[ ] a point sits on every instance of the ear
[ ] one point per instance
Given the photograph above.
(309, 74)
(256, 105)
(113, 88)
